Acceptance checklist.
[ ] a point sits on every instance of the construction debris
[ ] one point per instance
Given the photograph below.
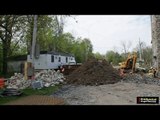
(37, 84)
(45, 78)
(18, 82)
(94, 72)
(138, 78)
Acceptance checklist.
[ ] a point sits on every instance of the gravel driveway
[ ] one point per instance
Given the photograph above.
(121, 93)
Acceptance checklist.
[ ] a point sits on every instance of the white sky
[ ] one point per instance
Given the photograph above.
(107, 31)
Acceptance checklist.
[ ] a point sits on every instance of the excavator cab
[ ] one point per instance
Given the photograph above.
(130, 63)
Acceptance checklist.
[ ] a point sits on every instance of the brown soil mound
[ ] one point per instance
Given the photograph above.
(94, 72)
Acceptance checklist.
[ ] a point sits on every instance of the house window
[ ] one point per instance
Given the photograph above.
(66, 59)
(52, 58)
(59, 60)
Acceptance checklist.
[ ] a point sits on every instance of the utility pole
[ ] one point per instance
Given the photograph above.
(34, 40)
(29, 68)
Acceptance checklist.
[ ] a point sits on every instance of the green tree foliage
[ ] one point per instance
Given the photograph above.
(16, 37)
(10, 30)
(81, 48)
(113, 57)
(145, 53)
(99, 56)
(45, 32)
(147, 56)
(50, 36)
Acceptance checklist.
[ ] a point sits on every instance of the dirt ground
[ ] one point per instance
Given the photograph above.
(121, 93)
(37, 100)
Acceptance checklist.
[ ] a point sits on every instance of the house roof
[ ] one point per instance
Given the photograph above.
(56, 53)
(18, 58)
(59, 53)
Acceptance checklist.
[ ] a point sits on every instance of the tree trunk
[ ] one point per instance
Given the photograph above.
(5, 51)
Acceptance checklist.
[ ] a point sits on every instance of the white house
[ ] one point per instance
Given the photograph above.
(52, 60)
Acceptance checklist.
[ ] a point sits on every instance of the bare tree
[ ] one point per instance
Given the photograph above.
(140, 47)
(126, 46)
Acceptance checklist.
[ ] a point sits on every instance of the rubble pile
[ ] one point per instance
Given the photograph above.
(94, 72)
(49, 77)
(138, 78)
(18, 82)
(46, 77)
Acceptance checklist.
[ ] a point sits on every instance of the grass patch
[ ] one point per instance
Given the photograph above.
(30, 91)
(43, 91)
(7, 99)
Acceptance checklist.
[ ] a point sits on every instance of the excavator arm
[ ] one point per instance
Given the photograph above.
(130, 63)
(134, 62)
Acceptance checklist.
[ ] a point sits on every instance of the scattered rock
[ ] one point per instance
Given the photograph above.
(138, 78)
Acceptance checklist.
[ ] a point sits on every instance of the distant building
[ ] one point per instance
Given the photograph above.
(45, 60)
(52, 60)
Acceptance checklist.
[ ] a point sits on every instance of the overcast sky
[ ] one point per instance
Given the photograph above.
(106, 32)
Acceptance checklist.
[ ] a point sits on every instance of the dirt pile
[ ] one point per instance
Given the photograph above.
(94, 72)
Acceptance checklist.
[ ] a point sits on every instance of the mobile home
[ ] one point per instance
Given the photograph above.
(52, 60)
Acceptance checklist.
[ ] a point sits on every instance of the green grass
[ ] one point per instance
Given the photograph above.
(28, 92)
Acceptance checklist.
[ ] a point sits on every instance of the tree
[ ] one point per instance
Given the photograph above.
(16, 34)
(10, 29)
(98, 55)
(65, 42)
(82, 49)
(45, 32)
(49, 31)
(147, 56)
(87, 47)
(125, 47)
(141, 45)
(110, 56)
(113, 57)
(144, 53)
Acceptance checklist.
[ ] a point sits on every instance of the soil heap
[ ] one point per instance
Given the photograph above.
(94, 72)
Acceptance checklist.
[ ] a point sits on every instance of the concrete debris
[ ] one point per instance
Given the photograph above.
(47, 85)
(37, 84)
(18, 82)
(137, 78)
(45, 77)
(49, 77)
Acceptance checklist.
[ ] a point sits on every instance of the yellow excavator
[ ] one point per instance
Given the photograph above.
(130, 63)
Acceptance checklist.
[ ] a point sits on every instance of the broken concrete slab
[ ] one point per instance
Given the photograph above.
(47, 78)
